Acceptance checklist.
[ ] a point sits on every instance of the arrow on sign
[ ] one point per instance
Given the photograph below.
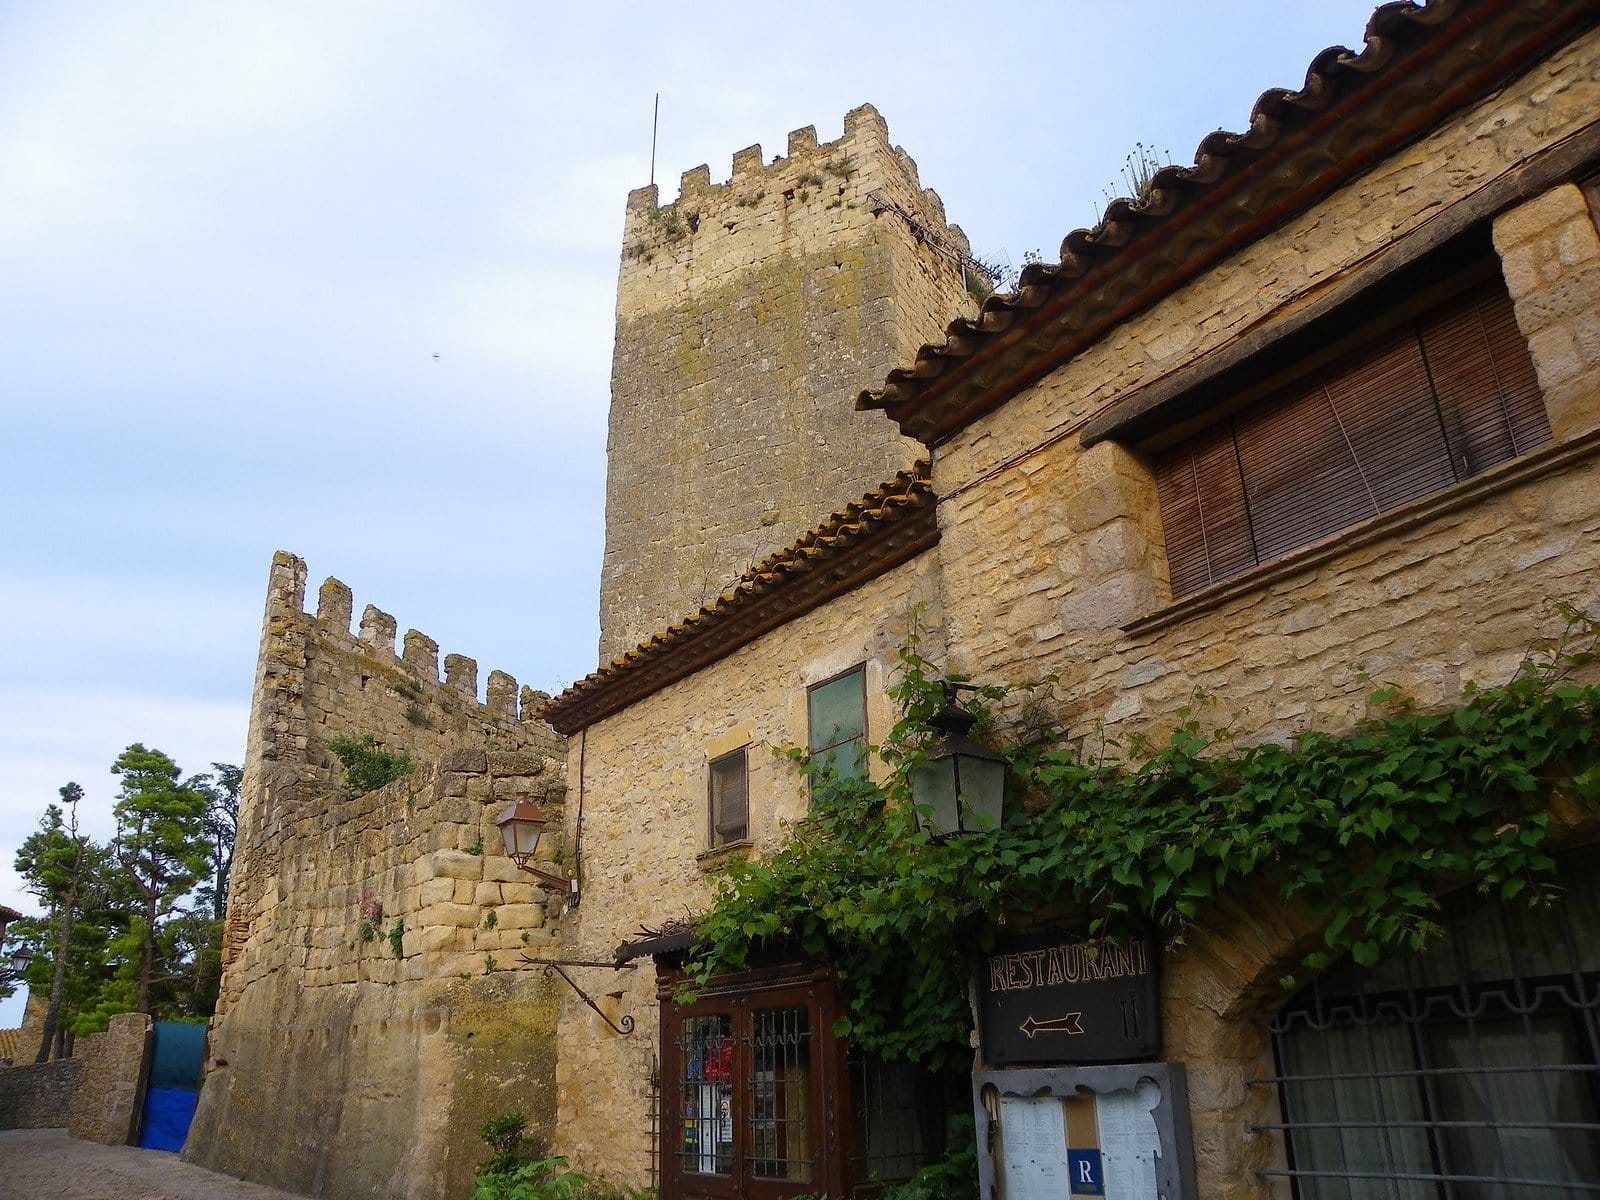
(1071, 1023)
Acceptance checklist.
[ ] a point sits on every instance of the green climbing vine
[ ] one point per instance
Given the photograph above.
(1361, 828)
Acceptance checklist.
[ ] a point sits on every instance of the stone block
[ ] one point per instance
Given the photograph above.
(512, 762)
(511, 787)
(451, 864)
(486, 894)
(1114, 547)
(520, 916)
(1535, 218)
(461, 916)
(465, 759)
(436, 891)
(497, 868)
(1109, 603)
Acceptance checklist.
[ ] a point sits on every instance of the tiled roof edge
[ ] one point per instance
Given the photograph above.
(886, 527)
(1417, 65)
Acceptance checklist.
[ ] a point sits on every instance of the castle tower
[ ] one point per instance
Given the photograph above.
(749, 315)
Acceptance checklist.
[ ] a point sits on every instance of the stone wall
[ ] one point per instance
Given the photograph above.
(1050, 551)
(1052, 560)
(39, 1095)
(96, 1094)
(646, 857)
(749, 314)
(315, 681)
(338, 1067)
(108, 1103)
(345, 1069)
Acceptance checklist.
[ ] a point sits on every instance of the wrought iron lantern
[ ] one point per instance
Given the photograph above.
(520, 825)
(961, 787)
(21, 959)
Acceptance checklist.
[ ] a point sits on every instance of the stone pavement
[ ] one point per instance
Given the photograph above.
(49, 1164)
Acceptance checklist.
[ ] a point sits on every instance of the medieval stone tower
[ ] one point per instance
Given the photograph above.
(749, 315)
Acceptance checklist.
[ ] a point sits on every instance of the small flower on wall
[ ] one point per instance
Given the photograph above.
(370, 909)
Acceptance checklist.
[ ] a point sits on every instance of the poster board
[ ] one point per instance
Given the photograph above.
(1108, 1132)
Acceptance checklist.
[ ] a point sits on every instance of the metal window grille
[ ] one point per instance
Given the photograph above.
(705, 1095)
(780, 1094)
(901, 1113)
(655, 1125)
(1468, 1072)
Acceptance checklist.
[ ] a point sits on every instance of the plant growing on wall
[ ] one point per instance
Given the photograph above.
(370, 909)
(368, 767)
(1361, 828)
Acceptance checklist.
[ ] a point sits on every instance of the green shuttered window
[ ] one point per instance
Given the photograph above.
(1419, 406)
(837, 712)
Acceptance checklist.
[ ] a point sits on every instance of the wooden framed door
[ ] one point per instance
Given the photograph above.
(753, 1088)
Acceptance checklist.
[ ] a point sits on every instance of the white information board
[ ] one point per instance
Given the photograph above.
(1129, 1141)
(1036, 1148)
(1103, 1132)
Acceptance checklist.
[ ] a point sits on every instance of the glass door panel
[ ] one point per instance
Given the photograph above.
(705, 1095)
(782, 1147)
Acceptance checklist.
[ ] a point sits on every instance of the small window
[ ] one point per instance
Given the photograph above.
(730, 798)
(838, 723)
(1417, 401)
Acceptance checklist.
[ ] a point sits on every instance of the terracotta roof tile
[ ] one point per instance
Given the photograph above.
(1417, 64)
(885, 527)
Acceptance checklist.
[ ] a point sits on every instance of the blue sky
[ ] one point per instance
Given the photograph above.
(337, 278)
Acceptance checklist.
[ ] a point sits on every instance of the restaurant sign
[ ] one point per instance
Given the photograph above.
(1051, 998)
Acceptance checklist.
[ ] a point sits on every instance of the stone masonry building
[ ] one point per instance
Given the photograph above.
(1324, 404)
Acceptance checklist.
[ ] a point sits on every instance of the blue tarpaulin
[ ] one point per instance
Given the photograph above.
(176, 1060)
(167, 1113)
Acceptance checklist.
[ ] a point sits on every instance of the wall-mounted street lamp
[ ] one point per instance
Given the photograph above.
(520, 825)
(961, 787)
(16, 967)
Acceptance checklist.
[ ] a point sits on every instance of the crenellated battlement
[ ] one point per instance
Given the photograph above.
(806, 194)
(316, 681)
(306, 961)
(376, 637)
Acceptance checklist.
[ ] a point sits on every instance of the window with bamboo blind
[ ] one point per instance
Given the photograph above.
(730, 798)
(1413, 405)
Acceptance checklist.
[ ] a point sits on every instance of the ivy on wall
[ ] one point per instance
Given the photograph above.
(1362, 829)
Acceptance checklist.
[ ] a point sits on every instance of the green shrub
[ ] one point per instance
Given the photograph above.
(366, 767)
(512, 1173)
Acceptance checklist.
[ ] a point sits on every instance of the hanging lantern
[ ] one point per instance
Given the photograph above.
(961, 787)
